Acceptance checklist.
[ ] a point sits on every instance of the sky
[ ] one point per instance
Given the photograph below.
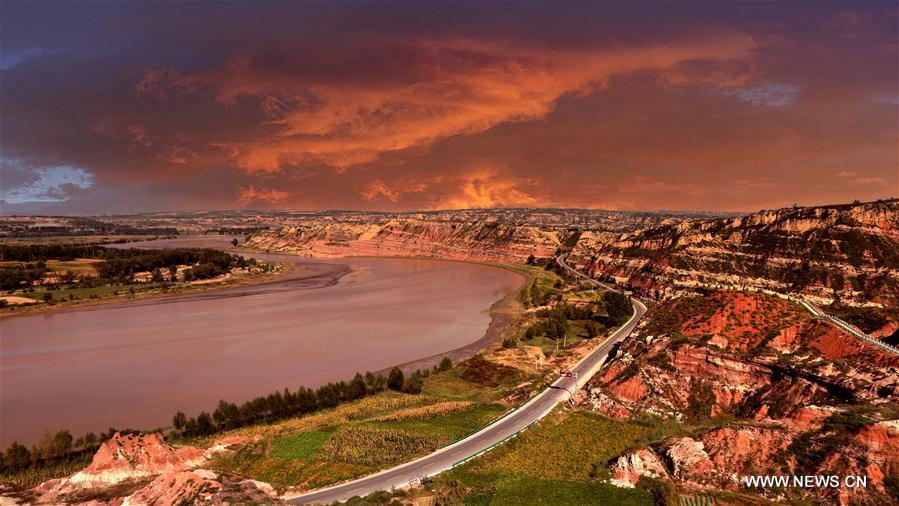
(131, 107)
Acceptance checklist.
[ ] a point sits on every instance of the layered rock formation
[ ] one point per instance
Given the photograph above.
(143, 470)
(793, 395)
(480, 241)
(847, 253)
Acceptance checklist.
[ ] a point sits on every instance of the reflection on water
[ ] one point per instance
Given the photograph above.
(135, 364)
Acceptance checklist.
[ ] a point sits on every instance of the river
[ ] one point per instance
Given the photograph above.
(134, 364)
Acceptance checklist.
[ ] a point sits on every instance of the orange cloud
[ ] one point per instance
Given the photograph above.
(442, 88)
(251, 194)
(377, 189)
(485, 188)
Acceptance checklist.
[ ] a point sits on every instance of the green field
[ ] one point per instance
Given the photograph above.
(364, 436)
(561, 460)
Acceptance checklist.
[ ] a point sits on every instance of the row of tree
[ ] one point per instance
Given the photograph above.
(61, 446)
(207, 262)
(286, 404)
(118, 266)
(50, 450)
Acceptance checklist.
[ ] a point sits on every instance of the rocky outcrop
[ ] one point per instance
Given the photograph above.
(201, 486)
(802, 397)
(132, 456)
(630, 467)
(847, 253)
(689, 460)
(411, 237)
(141, 469)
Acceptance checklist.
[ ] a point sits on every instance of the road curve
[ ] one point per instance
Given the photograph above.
(488, 437)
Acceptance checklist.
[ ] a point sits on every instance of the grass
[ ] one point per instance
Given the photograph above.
(255, 461)
(513, 491)
(560, 460)
(450, 426)
(302, 445)
(541, 281)
(376, 447)
(591, 296)
(33, 477)
(79, 266)
(364, 436)
(568, 449)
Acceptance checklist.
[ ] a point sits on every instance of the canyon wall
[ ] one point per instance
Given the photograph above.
(845, 254)
(478, 241)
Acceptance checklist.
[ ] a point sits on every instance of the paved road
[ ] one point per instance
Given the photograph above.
(488, 437)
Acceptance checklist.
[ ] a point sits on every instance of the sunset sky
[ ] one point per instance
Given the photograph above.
(129, 107)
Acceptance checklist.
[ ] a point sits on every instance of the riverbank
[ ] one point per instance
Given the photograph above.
(309, 452)
(187, 351)
(118, 294)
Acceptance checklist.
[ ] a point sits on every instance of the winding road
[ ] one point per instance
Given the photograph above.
(490, 436)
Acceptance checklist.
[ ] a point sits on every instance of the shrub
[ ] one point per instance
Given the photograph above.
(445, 365)
(395, 379)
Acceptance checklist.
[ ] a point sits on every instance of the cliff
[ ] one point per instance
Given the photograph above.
(480, 241)
(847, 254)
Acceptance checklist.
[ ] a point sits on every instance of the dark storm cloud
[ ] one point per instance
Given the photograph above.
(425, 105)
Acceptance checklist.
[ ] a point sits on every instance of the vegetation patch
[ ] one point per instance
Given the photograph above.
(430, 410)
(375, 447)
(478, 369)
(571, 449)
(302, 445)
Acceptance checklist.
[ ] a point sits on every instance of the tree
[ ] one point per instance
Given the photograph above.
(414, 384)
(190, 427)
(357, 388)
(328, 396)
(204, 424)
(234, 242)
(395, 379)
(179, 421)
(53, 445)
(531, 259)
(62, 443)
(226, 415)
(592, 329)
(307, 402)
(375, 382)
(618, 307)
(18, 457)
(445, 365)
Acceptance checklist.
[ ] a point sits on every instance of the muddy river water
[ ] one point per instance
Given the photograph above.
(134, 364)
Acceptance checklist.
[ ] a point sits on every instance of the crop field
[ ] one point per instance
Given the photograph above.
(436, 409)
(513, 491)
(302, 445)
(567, 448)
(450, 426)
(364, 436)
(375, 446)
(79, 266)
(561, 460)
